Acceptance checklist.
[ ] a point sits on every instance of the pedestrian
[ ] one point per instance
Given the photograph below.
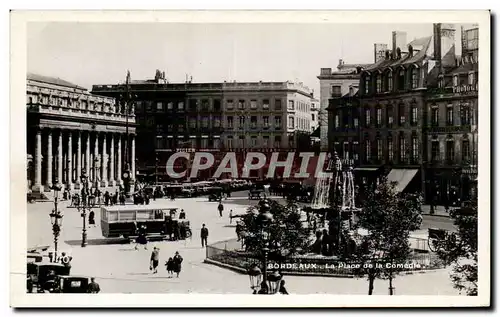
(221, 208)
(106, 198)
(170, 267)
(141, 238)
(182, 214)
(155, 259)
(91, 218)
(177, 263)
(93, 287)
(282, 289)
(204, 236)
(230, 216)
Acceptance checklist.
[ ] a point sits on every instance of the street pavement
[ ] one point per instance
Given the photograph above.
(118, 268)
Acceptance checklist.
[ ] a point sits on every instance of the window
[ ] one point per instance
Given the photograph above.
(465, 115)
(253, 122)
(336, 121)
(241, 141)
(265, 141)
(253, 104)
(367, 85)
(368, 150)
(471, 79)
(204, 122)
(216, 121)
(402, 117)
(192, 122)
(216, 104)
(379, 150)
(313, 118)
(435, 116)
(414, 148)
(241, 104)
(138, 105)
(160, 142)
(367, 116)
(379, 83)
(230, 105)
(389, 81)
(170, 128)
(401, 80)
(335, 90)
(356, 122)
(402, 148)
(379, 116)
(180, 105)
(277, 104)
(265, 119)
(230, 141)
(253, 140)
(205, 104)
(180, 127)
(159, 128)
(449, 115)
(170, 105)
(414, 78)
(450, 151)
(241, 122)
(277, 122)
(265, 104)
(441, 81)
(355, 151)
(455, 81)
(414, 115)
(291, 122)
(390, 117)
(291, 105)
(159, 105)
(390, 149)
(435, 151)
(291, 141)
(230, 122)
(277, 141)
(465, 151)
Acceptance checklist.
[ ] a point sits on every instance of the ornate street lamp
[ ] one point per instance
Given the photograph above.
(82, 205)
(55, 215)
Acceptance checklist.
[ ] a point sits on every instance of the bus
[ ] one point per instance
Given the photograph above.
(124, 220)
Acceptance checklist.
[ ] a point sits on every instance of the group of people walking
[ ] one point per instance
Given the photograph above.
(173, 265)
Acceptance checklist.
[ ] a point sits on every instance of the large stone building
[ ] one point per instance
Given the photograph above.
(212, 117)
(388, 124)
(70, 130)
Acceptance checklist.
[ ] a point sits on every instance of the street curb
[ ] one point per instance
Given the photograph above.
(435, 215)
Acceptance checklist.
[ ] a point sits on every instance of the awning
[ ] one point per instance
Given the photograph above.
(366, 169)
(402, 176)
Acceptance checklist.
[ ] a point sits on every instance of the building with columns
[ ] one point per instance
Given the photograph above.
(70, 130)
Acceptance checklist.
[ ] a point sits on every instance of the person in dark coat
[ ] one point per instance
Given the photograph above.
(106, 198)
(282, 289)
(177, 263)
(93, 287)
(204, 236)
(141, 238)
(170, 267)
(91, 218)
(182, 214)
(220, 208)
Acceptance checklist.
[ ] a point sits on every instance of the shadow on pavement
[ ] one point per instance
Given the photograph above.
(100, 241)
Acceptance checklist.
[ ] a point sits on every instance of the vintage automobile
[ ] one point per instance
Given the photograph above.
(177, 229)
(256, 194)
(42, 276)
(71, 284)
(215, 193)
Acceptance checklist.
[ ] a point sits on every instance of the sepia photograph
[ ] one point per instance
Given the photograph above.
(236, 153)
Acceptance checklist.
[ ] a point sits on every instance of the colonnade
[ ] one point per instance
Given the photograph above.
(61, 155)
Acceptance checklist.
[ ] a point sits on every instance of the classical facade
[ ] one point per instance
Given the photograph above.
(70, 130)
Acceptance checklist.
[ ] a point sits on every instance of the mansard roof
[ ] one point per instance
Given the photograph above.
(52, 80)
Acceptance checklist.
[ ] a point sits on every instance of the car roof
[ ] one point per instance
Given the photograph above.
(138, 207)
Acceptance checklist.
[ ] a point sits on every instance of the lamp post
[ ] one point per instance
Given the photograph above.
(259, 279)
(83, 204)
(157, 160)
(55, 215)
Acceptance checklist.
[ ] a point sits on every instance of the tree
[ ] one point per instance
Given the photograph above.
(285, 232)
(389, 218)
(460, 249)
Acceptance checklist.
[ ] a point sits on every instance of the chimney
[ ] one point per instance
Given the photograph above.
(398, 41)
(444, 44)
(379, 51)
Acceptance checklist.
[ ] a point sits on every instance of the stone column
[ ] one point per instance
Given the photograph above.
(112, 181)
(88, 166)
(119, 163)
(49, 159)
(132, 157)
(69, 166)
(78, 157)
(38, 163)
(104, 160)
(60, 158)
(96, 158)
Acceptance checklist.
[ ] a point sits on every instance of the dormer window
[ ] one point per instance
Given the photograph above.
(389, 81)
(367, 84)
(455, 81)
(414, 78)
(401, 79)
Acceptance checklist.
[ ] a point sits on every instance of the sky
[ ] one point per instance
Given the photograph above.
(89, 54)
